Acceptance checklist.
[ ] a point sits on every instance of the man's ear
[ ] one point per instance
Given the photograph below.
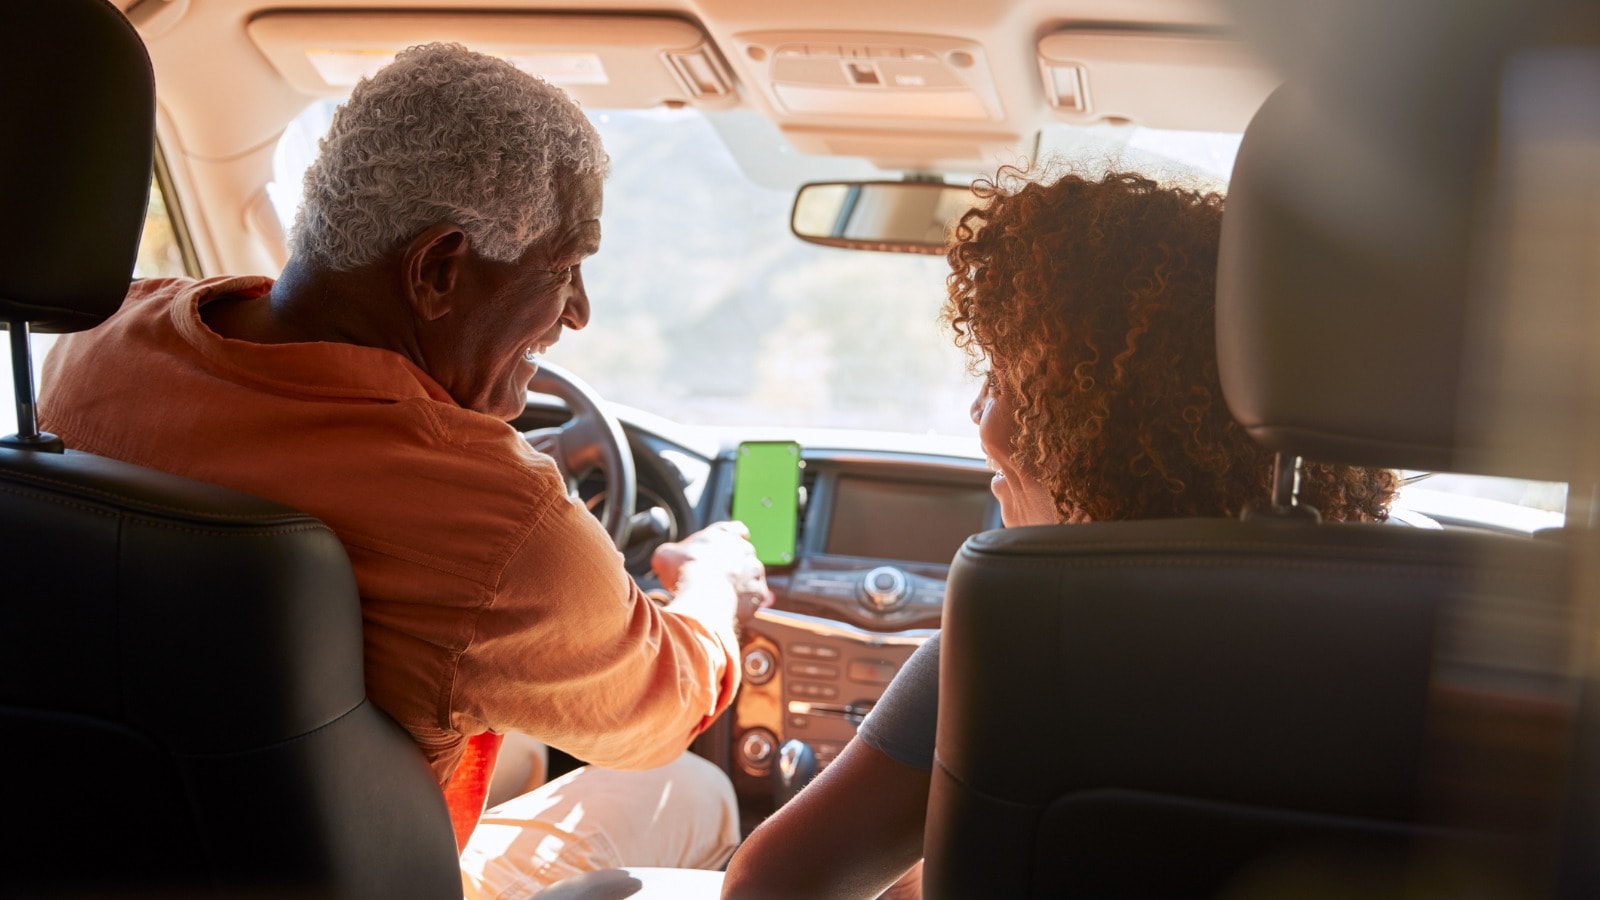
(433, 262)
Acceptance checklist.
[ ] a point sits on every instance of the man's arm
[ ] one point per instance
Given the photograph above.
(714, 575)
(574, 654)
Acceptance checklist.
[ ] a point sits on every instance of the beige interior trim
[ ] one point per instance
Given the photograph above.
(261, 218)
(1209, 82)
(604, 61)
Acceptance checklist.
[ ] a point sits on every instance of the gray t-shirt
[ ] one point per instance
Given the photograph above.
(903, 724)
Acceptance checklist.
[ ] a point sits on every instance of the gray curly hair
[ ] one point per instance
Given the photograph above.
(443, 134)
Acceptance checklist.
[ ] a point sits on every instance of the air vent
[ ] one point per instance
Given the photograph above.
(808, 488)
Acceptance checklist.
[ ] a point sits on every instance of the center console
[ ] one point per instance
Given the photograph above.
(876, 535)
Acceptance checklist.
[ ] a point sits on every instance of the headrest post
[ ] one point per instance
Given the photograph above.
(28, 436)
(1286, 471)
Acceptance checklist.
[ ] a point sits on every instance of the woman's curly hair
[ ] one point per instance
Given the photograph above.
(1093, 304)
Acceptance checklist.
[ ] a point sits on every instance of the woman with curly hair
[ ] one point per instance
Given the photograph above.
(1088, 305)
(1092, 304)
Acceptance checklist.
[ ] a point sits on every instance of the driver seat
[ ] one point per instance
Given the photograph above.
(182, 704)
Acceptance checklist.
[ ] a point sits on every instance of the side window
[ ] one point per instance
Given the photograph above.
(160, 253)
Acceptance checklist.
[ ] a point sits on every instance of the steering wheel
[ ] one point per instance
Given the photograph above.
(592, 439)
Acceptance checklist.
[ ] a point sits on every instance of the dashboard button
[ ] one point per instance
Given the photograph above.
(813, 691)
(872, 671)
(813, 670)
(814, 651)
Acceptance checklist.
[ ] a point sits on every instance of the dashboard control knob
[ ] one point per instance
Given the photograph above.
(885, 588)
(756, 749)
(759, 665)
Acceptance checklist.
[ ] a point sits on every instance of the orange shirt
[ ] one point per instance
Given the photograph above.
(490, 600)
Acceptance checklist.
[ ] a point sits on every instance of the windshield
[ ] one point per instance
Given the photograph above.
(707, 311)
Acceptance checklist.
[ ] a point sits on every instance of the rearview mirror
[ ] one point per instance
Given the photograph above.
(897, 216)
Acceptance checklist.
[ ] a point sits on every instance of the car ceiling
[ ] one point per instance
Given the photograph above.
(972, 82)
(231, 74)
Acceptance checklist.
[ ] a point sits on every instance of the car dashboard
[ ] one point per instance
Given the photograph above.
(876, 529)
(876, 533)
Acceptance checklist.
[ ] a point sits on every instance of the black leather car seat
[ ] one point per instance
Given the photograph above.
(182, 706)
(1278, 706)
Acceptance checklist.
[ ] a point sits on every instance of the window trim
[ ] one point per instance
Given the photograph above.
(163, 181)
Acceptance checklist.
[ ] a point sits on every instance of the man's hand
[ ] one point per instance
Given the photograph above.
(721, 550)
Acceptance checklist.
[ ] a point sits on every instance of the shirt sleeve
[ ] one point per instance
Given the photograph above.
(572, 653)
(903, 724)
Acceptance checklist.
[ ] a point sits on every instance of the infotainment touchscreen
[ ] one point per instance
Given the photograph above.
(910, 521)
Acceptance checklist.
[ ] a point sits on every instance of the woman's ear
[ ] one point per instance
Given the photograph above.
(433, 262)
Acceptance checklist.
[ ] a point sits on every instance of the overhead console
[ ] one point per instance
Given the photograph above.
(862, 93)
(876, 75)
(866, 93)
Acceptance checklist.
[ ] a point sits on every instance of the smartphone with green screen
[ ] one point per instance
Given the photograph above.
(766, 497)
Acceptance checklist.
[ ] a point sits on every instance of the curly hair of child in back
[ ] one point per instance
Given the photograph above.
(1092, 302)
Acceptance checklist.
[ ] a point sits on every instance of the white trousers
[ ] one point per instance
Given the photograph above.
(681, 815)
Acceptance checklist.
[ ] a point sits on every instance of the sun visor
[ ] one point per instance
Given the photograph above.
(1184, 81)
(604, 61)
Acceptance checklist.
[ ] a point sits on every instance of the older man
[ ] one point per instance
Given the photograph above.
(439, 248)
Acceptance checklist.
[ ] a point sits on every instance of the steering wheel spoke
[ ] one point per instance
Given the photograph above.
(591, 440)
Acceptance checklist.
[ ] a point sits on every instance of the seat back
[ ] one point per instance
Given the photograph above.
(182, 704)
(1278, 706)
(1178, 708)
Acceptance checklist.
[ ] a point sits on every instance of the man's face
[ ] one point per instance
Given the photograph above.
(513, 311)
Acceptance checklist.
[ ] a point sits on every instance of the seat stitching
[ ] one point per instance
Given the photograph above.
(262, 529)
(42, 480)
(1396, 567)
(296, 739)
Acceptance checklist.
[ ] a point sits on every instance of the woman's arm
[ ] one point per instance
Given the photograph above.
(850, 833)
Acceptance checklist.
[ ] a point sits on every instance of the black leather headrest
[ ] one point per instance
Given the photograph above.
(1343, 284)
(76, 161)
(1405, 272)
